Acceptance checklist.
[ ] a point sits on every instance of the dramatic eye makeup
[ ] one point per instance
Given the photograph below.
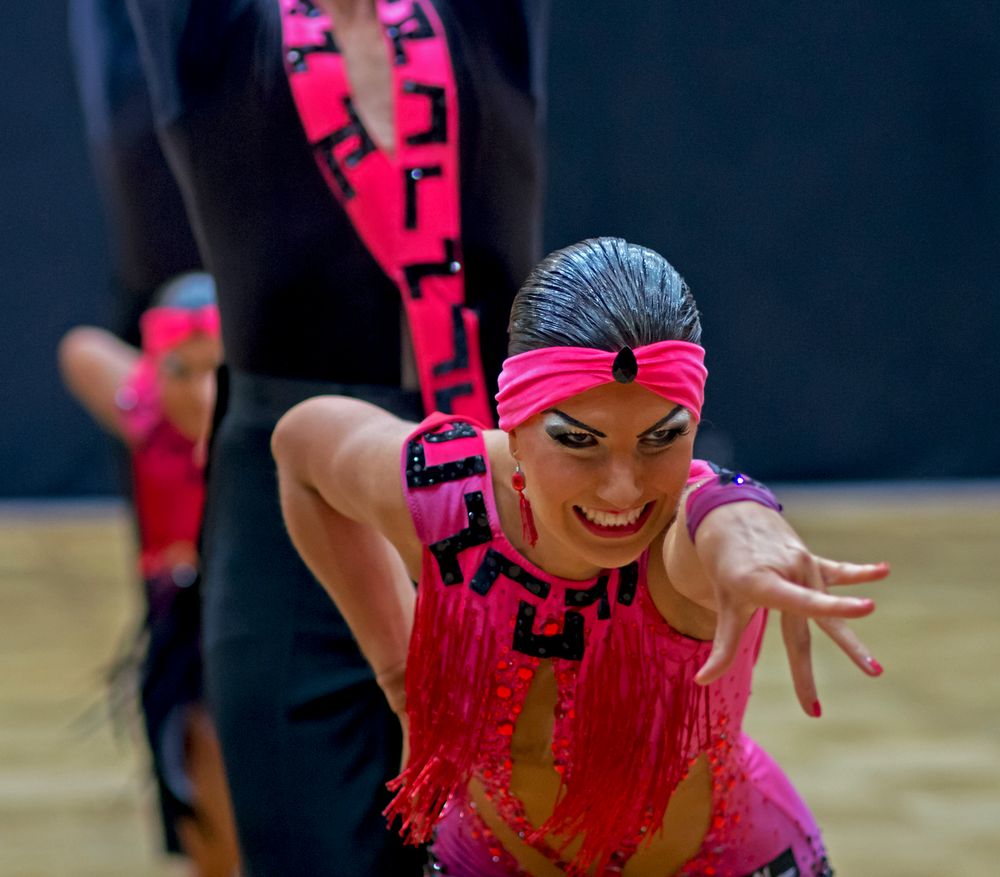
(666, 429)
(573, 433)
(569, 431)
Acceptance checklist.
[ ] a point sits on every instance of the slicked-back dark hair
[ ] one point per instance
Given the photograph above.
(603, 293)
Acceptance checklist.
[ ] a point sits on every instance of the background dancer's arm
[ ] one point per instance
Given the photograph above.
(94, 364)
(338, 472)
(748, 556)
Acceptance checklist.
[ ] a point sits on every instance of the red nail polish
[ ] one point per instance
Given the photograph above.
(817, 710)
(874, 666)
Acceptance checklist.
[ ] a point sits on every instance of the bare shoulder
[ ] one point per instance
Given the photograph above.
(349, 451)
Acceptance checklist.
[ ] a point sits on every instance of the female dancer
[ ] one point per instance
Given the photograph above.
(578, 654)
(159, 402)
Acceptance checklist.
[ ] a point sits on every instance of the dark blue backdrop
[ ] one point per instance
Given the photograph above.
(826, 176)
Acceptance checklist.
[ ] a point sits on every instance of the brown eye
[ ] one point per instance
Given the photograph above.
(572, 439)
(660, 438)
(174, 368)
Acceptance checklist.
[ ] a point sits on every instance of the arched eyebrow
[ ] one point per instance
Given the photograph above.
(677, 409)
(574, 422)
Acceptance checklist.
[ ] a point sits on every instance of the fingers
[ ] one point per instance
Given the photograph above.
(798, 644)
(773, 590)
(795, 585)
(838, 573)
(728, 630)
(850, 645)
(797, 639)
(796, 635)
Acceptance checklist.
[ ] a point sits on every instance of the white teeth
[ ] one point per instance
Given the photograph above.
(612, 519)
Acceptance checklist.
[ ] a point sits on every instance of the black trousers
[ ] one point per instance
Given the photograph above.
(307, 737)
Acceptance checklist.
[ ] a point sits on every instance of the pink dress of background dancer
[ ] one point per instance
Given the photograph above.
(169, 493)
(629, 720)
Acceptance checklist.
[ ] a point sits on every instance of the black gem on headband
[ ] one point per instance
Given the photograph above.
(625, 369)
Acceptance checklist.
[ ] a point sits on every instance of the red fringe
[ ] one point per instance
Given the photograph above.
(452, 659)
(622, 775)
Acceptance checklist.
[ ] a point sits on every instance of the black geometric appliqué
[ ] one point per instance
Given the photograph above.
(419, 474)
(567, 645)
(460, 344)
(444, 400)
(330, 160)
(412, 176)
(419, 270)
(478, 532)
(365, 146)
(588, 596)
(437, 132)
(628, 581)
(416, 27)
(495, 565)
(298, 55)
(353, 128)
(458, 430)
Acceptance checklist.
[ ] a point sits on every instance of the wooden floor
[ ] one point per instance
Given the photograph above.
(902, 772)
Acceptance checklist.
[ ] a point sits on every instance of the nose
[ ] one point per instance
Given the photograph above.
(621, 486)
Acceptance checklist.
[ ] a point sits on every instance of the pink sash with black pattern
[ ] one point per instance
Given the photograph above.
(405, 208)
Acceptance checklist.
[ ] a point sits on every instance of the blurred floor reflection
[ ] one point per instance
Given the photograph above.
(903, 772)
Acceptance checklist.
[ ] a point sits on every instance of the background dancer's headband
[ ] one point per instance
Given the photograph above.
(165, 327)
(534, 381)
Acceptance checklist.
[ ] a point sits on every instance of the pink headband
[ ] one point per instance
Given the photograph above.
(164, 328)
(534, 381)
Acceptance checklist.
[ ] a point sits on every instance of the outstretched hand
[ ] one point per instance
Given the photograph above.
(753, 558)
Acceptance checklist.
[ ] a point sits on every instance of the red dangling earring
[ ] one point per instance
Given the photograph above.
(528, 531)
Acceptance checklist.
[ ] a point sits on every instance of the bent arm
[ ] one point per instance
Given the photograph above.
(341, 496)
(94, 364)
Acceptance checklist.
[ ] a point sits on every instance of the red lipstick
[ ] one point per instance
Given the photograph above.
(613, 532)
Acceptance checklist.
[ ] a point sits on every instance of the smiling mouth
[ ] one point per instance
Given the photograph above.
(614, 524)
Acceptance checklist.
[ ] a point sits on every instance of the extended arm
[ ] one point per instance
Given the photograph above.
(748, 556)
(338, 472)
